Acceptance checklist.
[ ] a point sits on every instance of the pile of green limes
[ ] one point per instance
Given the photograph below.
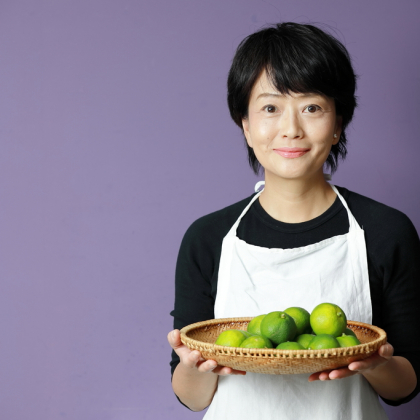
(294, 329)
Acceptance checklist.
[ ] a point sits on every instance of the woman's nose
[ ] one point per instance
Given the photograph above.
(290, 125)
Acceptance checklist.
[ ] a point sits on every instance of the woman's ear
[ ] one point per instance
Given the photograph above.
(245, 128)
(338, 128)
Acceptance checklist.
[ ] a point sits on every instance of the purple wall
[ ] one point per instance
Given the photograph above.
(115, 136)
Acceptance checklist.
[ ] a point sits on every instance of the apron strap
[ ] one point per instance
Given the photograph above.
(232, 231)
(258, 185)
(353, 225)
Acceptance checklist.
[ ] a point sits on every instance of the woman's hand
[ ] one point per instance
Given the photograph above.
(392, 377)
(195, 380)
(192, 358)
(381, 357)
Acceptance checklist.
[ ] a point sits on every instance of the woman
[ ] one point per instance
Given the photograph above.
(299, 242)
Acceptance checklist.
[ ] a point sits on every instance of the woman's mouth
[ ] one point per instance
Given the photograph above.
(291, 152)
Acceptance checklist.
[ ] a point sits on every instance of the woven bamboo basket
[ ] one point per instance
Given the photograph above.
(202, 335)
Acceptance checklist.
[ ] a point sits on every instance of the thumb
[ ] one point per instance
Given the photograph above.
(174, 339)
(386, 351)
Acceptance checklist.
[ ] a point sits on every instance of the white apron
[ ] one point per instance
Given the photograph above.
(253, 281)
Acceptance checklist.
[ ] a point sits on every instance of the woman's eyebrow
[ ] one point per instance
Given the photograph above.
(279, 95)
(269, 95)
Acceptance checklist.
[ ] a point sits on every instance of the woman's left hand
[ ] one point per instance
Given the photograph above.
(382, 356)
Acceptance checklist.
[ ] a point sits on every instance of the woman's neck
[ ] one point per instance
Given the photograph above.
(296, 201)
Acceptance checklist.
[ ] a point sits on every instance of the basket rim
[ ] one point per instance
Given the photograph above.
(370, 347)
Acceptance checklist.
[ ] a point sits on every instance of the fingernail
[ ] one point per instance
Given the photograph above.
(173, 334)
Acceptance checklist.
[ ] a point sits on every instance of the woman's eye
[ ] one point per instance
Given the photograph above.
(312, 108)
(270, 108)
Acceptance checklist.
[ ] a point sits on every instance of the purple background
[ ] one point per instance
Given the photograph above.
(115, 136)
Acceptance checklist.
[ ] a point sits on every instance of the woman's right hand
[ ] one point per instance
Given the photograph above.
(192, 358)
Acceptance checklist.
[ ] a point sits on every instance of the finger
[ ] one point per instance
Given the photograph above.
(190, 358)
(386, 351)
(224, 371)
(331, 375)
(325, 376)
(373, 361)
(319, 376)
(174, 339)
(206, 366)
(238, 372)
(211, 366)
(314, 377)
(359, 366)
(193, 359)
(341, 373)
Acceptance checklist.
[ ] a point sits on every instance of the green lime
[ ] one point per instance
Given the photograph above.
(257, 342)
(348, 331)
(304, 339)
(278, 327)
(328, 318)
(231, 338)
(323, 341)
(255, 324)
(301, 317)
(348, 341)
(290, 345)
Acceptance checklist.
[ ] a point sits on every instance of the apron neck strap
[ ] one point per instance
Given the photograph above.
(353, 225)
(232, 231)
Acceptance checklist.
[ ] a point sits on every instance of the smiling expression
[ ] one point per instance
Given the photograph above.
(291, 134)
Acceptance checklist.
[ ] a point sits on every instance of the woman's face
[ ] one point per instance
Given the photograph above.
(291, 135)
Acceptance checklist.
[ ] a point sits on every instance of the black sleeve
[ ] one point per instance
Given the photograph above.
(393, 248)
(197, 268)
(194, 301)
(193, 292)
(400, 269)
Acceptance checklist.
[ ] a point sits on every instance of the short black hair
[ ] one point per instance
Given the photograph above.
(298, 58)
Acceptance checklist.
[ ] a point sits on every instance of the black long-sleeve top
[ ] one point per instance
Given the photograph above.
(393, 253)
